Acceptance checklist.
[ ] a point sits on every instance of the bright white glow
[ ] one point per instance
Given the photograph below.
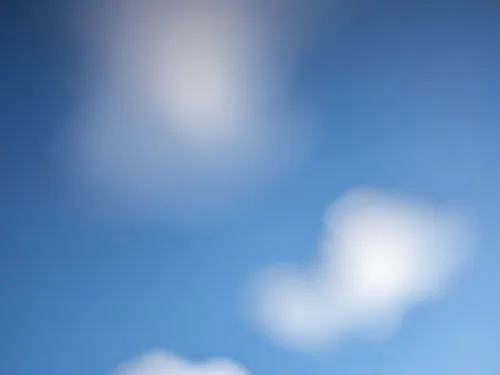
(164, 363)
(379, 256)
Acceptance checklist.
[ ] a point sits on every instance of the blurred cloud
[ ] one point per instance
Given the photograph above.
(187, 106)
(380, 254)
(160, 362)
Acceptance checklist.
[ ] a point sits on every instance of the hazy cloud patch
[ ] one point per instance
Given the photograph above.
(186, 107)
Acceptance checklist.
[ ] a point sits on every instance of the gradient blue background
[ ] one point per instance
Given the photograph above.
(408, 98)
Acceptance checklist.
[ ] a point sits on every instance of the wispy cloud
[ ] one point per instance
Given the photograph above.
(161, 362)
(380, 254)
(186, 103)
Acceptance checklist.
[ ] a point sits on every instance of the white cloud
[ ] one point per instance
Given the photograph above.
(186, 104)
(160, 362)
(380, 254)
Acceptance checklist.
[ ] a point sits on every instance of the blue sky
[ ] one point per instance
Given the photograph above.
(404, 96)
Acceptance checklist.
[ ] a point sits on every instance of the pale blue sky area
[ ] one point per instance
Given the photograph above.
(407, 98)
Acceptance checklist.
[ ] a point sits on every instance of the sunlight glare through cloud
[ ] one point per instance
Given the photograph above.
(187, 107)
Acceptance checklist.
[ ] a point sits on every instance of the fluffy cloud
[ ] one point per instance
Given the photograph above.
(380, 254)
(164, 363)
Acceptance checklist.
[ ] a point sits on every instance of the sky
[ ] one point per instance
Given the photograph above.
(249, 188)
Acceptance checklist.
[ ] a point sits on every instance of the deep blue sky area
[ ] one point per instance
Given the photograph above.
(407, 98)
